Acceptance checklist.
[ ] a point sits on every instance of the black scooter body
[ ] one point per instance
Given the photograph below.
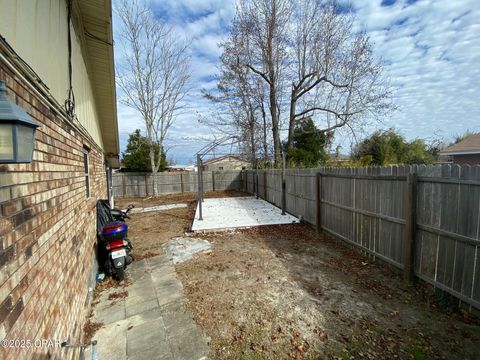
(113, 239)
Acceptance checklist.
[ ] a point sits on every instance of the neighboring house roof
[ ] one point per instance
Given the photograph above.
(96, 18)
(469, 145)
(191, 168)
(221, 158)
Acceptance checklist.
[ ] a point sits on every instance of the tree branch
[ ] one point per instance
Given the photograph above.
(259, 73)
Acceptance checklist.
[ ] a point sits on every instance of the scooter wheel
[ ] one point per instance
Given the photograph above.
(120, 274)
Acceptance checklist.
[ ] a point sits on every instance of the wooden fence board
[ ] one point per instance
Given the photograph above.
(141, 184)
(446, 251)
(365, 206)
(428, 254)
(459, 266)
(476, 280)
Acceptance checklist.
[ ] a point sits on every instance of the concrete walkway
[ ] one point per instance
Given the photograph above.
(151, 322)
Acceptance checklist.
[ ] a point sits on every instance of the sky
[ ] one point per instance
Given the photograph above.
(430, 50)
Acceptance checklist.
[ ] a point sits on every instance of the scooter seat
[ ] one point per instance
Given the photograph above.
(116, 213)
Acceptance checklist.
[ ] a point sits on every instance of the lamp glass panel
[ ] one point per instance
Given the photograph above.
(6, 142)
(25, 143)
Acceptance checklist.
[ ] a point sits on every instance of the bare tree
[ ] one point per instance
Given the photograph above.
(265, 22)
(154, 73)
(240, 96)
(236, 113)
(312, 48)
(335, 78)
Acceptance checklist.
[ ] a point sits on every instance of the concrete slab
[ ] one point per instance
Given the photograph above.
(115, 347)
(135, 307)
(160, 278)
(181, 249)
(156, 263)
(139, 276)
(140, 294)
(152, 314)
(151, 322)
(148, 335)
(158, 208)
(153, 353)
(238, 212)
(110, 313)
(169, 294)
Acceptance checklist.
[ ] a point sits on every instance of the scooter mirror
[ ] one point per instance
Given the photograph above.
(130, 206)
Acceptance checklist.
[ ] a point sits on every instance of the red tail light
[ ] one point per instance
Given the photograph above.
(116, 244)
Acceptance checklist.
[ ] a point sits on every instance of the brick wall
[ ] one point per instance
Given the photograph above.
(47, 232)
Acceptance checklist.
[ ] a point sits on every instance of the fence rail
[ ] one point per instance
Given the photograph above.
(422, 219)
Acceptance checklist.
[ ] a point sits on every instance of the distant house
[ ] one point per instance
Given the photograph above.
(175, 168)
(339, 159)
(466, 151)
(181, 168)
(228, 162)
(191, 167)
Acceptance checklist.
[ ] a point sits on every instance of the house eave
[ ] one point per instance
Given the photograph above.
(463, 152)
(96, 20)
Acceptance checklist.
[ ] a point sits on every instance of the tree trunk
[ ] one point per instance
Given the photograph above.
(291, 118)
(275, 126)
(265, 145)
(154, 177)
(252, 135)
(152, 160)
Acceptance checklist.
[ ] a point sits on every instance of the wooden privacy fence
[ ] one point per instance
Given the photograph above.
(141, 184)
(422, 219)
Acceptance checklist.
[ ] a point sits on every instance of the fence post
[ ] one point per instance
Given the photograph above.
(319, 202)
(257, 192)
(146, 185)
(243, 178)
(213, 180)
(410, 225)
(265, 184)
(182, 189)
(200, 188)
(124, 183)
(284, 188)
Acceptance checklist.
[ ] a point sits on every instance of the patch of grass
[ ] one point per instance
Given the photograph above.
(444, 300)
(418, 354)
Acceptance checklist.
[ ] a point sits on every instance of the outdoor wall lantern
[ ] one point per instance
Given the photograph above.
(17, 131)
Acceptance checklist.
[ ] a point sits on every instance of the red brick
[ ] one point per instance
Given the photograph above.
(5, 226)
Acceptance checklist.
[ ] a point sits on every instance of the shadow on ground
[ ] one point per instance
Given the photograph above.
(370, 311)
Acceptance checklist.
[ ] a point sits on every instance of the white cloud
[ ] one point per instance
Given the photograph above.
(432, 55)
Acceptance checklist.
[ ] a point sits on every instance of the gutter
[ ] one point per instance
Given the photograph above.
(465, 152)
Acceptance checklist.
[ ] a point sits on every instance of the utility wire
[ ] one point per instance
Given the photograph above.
(70, 102)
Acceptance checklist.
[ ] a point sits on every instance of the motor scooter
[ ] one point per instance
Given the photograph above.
(114, 243)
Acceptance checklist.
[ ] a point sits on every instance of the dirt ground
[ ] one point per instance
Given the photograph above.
(285, 292)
